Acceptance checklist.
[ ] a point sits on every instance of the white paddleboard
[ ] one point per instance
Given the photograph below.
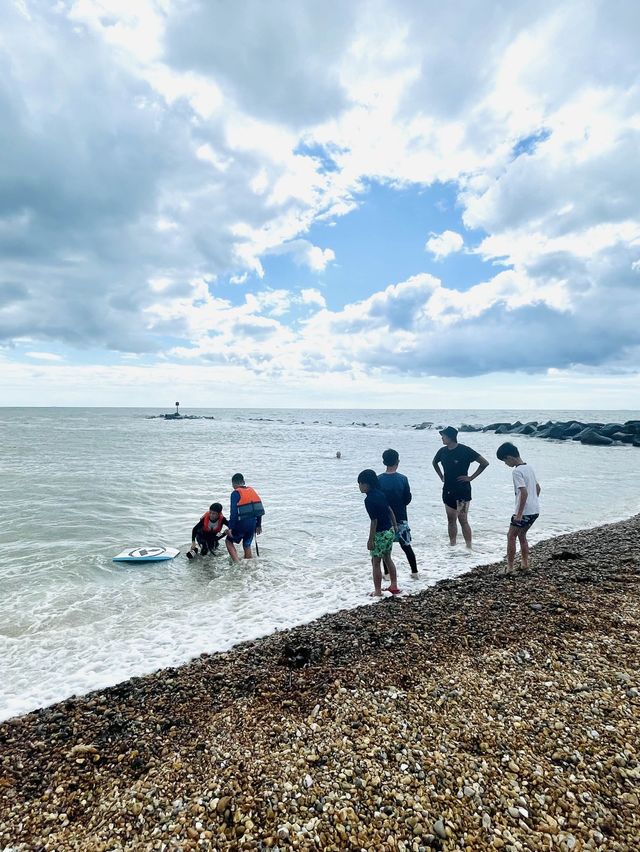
(146, 554)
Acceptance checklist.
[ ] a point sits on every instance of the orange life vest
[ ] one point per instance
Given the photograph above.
(249, 504)
(213, 527)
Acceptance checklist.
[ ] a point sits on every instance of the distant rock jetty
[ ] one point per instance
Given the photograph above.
(598, 434)
(175, 416)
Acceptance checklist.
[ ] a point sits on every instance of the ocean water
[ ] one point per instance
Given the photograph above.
(79, 485)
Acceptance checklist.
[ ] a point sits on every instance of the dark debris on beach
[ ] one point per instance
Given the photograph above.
(482, 713)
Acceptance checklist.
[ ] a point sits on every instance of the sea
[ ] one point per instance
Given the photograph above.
(79, 485)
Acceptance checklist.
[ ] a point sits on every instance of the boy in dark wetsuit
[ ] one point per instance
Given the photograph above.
(397, 491)
(208, 531)
(455, 459)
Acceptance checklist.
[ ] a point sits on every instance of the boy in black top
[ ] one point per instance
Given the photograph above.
(397, 491)
(382, 532)
(455, 459)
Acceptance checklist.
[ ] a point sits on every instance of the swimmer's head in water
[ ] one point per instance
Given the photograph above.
(390, 458)
(338, 455)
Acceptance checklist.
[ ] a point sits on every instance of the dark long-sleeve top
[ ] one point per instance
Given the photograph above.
(397, 492)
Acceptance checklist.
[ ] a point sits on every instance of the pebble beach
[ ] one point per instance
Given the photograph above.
(482, 713)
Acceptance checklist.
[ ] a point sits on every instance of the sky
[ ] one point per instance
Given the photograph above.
(313, 203)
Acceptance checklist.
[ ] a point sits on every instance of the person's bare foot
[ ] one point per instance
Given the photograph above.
(393, 589)
(375, 594)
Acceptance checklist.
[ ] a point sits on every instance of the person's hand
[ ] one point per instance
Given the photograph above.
(370, 544)
(464, 479)
(258, 530)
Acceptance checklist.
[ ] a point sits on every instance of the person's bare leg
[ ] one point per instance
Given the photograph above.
(247, 553)
(524, 549)
(390, 567)
(463, 518)
(511, 548)
(377, 577)
(233, 553)
(452, 524)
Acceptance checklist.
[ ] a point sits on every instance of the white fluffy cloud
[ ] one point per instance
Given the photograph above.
(441, 245)
(181, 143)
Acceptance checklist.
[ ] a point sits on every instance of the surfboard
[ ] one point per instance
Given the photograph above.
(146, 554)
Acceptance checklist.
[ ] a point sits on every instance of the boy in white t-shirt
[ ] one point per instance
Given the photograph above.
(527, 491)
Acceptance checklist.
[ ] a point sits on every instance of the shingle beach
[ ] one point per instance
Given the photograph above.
(482, 713)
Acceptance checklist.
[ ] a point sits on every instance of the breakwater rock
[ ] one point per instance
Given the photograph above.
(179, 417)
(597, 434)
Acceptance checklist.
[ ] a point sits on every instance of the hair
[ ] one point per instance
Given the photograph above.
(215, 507)
(507, 449)
(390, 458)
(369, 477)
(237, 479)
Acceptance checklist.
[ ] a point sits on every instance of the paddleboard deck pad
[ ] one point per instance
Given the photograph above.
(146, 554)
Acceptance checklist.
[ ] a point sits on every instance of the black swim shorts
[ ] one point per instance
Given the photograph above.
(526, 521)
(451, 497)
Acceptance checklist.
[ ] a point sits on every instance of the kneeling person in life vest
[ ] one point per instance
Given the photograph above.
(208, 531)
(245, 517)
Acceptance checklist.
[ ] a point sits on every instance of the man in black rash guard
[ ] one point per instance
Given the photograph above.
(455, 459)
(396, 488)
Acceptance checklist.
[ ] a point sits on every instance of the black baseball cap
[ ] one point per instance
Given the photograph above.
(450, 432)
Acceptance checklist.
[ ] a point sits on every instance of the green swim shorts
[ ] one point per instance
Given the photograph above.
(383, 542)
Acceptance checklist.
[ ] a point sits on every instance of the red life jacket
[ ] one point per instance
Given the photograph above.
(214, 527)
(249, 504)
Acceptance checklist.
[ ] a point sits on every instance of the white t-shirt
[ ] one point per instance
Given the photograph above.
(524, 477)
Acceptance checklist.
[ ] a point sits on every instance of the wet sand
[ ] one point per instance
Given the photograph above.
(483, 713)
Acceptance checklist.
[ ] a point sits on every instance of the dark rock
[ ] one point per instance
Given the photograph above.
(632, 426)
(594, 438)
(623, 437)
(610, 428)
(566, 555)
(493, 427)
(557, 431)
(573, 428)
(466, 427)
(525, 429)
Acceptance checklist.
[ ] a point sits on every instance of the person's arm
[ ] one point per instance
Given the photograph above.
(538, 489)
(522, 500)
(482, 464)
(372, 533)
(194, 532)
(223, 534)
(407, 493)
(394, 522)
(436, 466)
(233, 514)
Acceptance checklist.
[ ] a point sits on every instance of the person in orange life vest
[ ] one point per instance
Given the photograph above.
(245, 517)
(208, 531)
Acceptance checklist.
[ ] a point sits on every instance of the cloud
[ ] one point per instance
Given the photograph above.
(44, 356)
(306, 254)
(279, 61)
(179, 145)
(441, 245)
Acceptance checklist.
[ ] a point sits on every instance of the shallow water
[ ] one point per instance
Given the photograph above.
(79, 485)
